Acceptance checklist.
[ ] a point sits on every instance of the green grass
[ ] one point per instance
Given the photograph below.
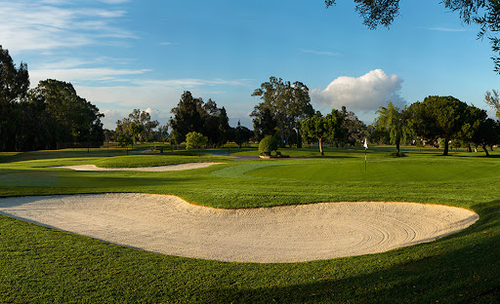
(155, 160)
(43, 265)
(398, 170)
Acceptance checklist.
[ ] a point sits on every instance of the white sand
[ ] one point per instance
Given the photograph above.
(167, 224)
(152, 169)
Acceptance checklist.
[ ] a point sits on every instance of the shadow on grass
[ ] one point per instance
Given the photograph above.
(82, 180)
(462, 268)
(52, 154)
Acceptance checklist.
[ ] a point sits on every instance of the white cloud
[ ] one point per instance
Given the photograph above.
(51, 25)
(365, 94)
(157, 97)
(84, 75)
(445, 29)
(188, 83)
(115, 1)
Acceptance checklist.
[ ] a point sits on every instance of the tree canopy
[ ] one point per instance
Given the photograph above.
(14, 85)
(392, 120)
(493, 100)
(319, 128)
(484, 13)
(138, 126)
(193, 115)
(70, 118)
(44, 116)
(447, 118)
(285, 103)
(195, 140)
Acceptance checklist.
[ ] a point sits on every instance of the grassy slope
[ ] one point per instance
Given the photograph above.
(39, 264)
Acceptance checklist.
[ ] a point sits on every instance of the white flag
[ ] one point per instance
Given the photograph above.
(365, 144)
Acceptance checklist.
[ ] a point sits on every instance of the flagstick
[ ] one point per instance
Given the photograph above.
(365, 159)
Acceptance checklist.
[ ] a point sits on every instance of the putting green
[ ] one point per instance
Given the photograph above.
(378, 171)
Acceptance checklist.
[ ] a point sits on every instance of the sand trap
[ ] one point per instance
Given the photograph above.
(178, 167)
(169, 225)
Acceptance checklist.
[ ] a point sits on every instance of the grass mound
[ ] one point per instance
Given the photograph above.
(136, 161)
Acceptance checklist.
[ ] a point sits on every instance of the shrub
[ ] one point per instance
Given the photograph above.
(195, 140)
(267, 145)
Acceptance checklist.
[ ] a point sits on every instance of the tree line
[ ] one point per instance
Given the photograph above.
(45, 116)
(285, 112)
(52, 113)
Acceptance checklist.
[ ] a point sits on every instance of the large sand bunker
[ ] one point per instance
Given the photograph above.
(169, 225)
(178, 167)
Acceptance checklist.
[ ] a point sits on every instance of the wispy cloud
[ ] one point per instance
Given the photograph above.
(116, 101)
(55, 24)
(85, 76)
(445, 29)
(115, 1)
(193, 82)
(322, 53)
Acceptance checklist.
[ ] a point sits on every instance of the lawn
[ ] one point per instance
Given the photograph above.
(42, 265)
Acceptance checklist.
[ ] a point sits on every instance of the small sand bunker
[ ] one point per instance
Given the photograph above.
(178, 167)
(169, 225)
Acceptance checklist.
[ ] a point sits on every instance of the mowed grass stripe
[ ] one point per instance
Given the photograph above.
(377, 171)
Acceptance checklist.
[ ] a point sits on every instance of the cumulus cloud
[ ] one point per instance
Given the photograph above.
(366, 93)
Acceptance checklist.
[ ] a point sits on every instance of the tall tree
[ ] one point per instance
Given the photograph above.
(241, 135)
(14, 85)
(138, 125)
(352, 129)
(263, 122)
(287, 103)
(193, 115)
(487, 134)
(438, 117)
(72, 118)
(320, 127)
(484, 13)
(195, 140)
(392, 120)
(187, 116)
(493, 100)
(215, 123)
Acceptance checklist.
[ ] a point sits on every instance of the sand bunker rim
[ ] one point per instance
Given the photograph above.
(167, 224)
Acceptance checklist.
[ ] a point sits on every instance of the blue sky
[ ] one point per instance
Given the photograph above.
(126, 54)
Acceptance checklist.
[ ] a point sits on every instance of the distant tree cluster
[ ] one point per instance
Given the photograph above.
(206, 118)
(45, 116)
(137, 127)
(438, 119)
(284, 105)
(287, 114)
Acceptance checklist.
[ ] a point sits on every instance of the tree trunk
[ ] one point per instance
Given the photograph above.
(486, 150)
(282, 143)
(299, 139)
(446, 146)
(320, 147)
(397, 147)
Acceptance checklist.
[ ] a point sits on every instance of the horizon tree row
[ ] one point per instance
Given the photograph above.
(443, 118)
(286, 105)
(45, 116)
(194, 115)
